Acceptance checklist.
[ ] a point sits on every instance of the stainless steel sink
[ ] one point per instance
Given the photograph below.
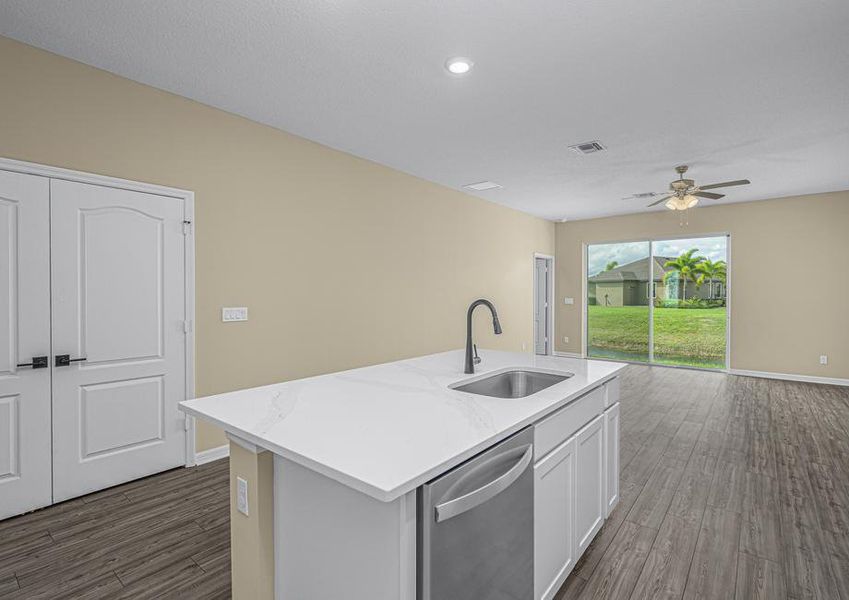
(512, 384)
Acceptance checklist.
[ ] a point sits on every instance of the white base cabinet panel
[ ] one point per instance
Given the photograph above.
(332, 542)
(611, 459)
(589, 483)
(554, 520)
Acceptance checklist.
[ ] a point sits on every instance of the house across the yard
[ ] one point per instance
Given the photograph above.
(628, 285)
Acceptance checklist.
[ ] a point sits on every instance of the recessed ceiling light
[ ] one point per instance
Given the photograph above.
(482, 186)
(458, 65)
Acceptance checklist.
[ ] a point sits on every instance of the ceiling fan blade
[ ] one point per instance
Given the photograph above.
(656, 202)
(709, 195)
(725, 184)
(645, 195)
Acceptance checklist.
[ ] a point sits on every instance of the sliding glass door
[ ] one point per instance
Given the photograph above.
(660, 301)
(618, 317)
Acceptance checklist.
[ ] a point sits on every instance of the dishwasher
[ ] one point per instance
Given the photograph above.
(476, 527)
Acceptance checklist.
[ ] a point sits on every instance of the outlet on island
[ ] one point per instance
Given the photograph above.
(242, 495)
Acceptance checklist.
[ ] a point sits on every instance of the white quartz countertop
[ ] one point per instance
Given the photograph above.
(386, 429)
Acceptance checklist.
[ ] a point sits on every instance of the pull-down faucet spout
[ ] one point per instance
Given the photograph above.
(471, 361)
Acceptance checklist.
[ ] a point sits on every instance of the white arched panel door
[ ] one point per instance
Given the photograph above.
(118, 275)
(24, 336)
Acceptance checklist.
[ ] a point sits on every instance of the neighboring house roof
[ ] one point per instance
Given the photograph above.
(634, 271)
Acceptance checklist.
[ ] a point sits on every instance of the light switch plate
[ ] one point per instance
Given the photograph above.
(234, 313)
(242, 495)
(568, 301)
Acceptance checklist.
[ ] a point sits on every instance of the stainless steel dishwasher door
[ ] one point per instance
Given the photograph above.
(476, 527)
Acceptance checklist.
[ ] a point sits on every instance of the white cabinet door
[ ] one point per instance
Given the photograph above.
(589, 482)
(554, 520)
(24, 334)
(611, 458)
(118, 268)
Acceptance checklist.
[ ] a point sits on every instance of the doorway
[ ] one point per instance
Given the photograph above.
(661, 301)
(96, 294)
(543, 302)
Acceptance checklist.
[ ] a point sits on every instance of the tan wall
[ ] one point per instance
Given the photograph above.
(252, 535)
(776, 325)
(342, 262)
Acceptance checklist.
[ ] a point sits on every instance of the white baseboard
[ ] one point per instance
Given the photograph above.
(207, 456)
(790, 377)
(568, 354)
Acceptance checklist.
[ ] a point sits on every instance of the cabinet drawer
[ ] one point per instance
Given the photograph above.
(557, 428)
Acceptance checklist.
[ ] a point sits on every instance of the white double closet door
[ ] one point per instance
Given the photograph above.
(93, 281)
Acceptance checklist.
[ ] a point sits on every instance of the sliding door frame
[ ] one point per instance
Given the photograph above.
(651, 241)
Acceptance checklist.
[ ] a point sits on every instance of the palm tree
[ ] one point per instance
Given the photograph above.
(712, 271)
(686, 266)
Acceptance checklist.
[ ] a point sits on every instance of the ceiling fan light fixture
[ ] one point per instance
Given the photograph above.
(682, 202)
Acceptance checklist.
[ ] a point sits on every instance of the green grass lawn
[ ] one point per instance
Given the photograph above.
(694, 337)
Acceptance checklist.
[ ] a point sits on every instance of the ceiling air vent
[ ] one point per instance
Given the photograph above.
(482, 186)
(587, 147)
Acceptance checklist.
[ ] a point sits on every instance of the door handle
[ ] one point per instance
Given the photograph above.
(65, 360)
(38, 362)
(452, 508)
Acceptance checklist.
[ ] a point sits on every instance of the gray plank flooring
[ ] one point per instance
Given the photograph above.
(732, 488)
(165, 536)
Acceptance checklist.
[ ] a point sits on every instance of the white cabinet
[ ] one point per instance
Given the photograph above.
(589, 482)
(611, 458)
(554, 520)
(576, 482)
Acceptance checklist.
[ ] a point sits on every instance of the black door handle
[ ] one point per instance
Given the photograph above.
(65, 360)
(38, 362)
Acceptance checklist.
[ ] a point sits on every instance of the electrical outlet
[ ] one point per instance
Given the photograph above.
(568, 301)
(234, 313)
(242, 495)
(823, 359)
(565, 339)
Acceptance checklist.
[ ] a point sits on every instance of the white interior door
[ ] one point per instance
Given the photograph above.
(24, 334)
(118, 279)
(541, 306)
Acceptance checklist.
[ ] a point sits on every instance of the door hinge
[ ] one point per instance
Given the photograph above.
(187, 326)
(187, 423)
(187, 227)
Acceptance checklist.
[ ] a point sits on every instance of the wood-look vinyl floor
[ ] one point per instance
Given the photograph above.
(731, 488)
(165, 536)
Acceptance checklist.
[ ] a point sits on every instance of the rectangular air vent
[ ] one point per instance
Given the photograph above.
(587, 147)
(482, 186)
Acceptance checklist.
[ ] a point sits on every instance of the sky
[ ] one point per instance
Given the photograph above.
(598, 255)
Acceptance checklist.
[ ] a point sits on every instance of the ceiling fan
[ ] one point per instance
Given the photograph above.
(684, 193)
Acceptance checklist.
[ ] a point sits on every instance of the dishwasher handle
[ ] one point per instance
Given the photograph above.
(466, 502)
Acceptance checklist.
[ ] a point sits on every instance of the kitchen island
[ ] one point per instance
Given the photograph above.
(351, 448)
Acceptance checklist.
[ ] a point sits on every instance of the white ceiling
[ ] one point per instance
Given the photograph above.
(736, 88)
